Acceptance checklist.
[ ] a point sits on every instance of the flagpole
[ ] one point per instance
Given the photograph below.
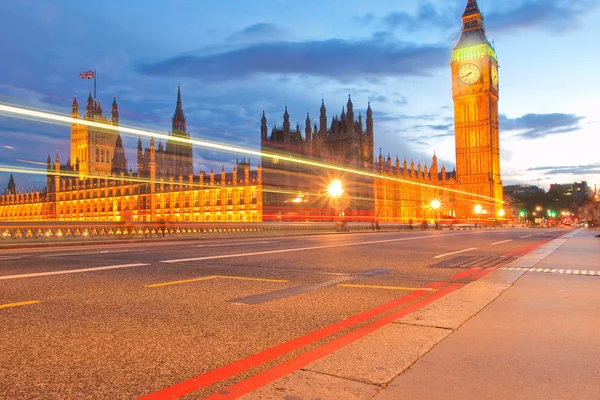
(95, 84)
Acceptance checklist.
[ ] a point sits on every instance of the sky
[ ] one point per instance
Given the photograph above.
(234, 59)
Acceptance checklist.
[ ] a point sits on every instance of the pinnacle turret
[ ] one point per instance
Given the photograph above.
(179, 122)
(263, 126)
(114, 114)
(472, 8)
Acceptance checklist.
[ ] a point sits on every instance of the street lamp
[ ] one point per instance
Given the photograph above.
(335, 190)
(477, 210)
(436, 204)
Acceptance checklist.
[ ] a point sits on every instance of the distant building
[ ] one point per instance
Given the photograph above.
(578, 191)
(511, 190)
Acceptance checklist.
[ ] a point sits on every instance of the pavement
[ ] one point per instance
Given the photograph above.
(528, 330)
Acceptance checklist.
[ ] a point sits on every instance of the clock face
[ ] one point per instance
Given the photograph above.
(494, 75)
(469, 74)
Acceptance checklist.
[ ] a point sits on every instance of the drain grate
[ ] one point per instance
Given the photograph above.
(472, 262)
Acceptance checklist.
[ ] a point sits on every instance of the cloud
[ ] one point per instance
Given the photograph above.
(535, 126)
(259, 32)
(426, 17)
(314, 58)
(440, 127)
(555, 16)
(569, 169)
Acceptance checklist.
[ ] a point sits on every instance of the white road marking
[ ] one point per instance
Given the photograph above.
(231, 244)
(93, 253)
(504, 241)
(455, 252)
(70, 271)
(303, 249)
(526, 236)
(555, 271)
(10, 258)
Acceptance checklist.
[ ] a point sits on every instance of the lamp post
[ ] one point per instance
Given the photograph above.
(501, 214)
(335, 190)
(478, 210)
(436, 204)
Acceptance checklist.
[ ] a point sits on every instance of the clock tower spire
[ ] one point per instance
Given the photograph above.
(475, 93)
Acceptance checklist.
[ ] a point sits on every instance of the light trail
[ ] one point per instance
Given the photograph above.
(23, 113)
(31, 162)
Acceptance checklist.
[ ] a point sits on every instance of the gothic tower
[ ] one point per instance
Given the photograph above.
(475, 93)
(180, 154)
(92, 148)
(369, 143)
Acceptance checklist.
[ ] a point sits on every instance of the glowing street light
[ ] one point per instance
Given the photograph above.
(501, 213)
(478, 210)
(436, 204)
(335, 189)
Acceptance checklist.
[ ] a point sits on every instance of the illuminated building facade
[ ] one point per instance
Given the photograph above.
(382, 190)
(98, 186)
(387, 192)
(96, 152)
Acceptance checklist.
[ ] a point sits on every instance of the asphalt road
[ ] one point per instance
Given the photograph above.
(125, 321)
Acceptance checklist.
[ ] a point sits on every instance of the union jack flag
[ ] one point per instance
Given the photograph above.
(87, 75)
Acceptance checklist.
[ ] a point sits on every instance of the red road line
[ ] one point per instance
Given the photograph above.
(465, 273)
(527, 249)
(270, 375)
(227, 371)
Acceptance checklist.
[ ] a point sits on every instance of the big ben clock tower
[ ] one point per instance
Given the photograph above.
(475, 94)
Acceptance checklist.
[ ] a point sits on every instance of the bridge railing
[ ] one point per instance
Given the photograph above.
(116, 230)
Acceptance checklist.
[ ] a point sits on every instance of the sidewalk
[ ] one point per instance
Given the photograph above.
(540, 339)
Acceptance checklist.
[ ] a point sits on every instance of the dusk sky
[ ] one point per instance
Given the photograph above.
(235, 58)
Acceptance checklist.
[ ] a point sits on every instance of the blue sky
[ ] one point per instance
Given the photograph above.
(235, 58)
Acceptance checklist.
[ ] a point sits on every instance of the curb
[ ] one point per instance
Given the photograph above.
(364, 368)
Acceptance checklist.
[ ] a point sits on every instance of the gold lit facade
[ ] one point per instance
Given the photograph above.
(97, 187)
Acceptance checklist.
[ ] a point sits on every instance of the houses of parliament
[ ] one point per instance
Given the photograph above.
(97, 182)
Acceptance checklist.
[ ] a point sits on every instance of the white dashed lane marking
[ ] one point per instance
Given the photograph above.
(70, 271)
(555, 271)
